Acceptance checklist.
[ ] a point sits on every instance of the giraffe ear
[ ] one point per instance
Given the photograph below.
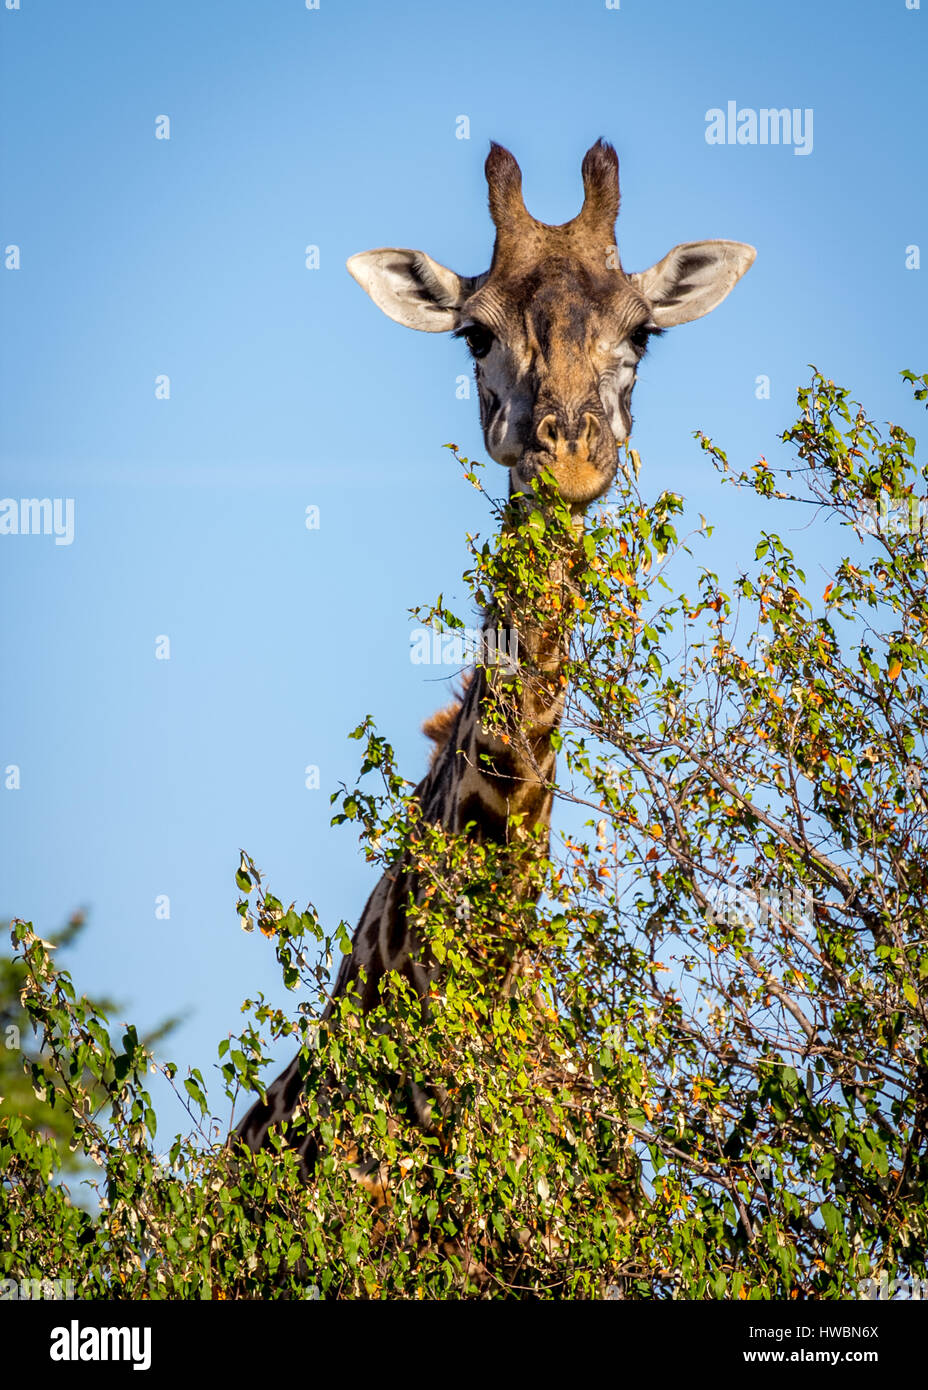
(692, 279)
(412, 288)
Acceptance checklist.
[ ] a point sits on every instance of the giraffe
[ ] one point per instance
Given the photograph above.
(556, 329)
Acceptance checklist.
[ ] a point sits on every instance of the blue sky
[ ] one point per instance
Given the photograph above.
(139, 257)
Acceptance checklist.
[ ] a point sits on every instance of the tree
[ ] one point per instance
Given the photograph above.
(18, 1053)
(680, 1053)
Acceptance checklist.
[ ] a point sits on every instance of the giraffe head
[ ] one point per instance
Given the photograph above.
(556, 327)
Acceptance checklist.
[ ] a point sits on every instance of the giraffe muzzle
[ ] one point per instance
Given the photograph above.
(576, 448)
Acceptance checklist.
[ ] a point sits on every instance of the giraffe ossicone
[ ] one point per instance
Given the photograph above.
(556, 329)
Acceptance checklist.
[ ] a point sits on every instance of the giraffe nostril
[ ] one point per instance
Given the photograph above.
(590, 432)
(546, 432)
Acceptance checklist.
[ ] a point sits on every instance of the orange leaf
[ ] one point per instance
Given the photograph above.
(895, 666)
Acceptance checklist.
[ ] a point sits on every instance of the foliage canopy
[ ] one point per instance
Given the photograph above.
(680, 1053)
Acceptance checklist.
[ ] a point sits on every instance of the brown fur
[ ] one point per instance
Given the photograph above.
(438, 727)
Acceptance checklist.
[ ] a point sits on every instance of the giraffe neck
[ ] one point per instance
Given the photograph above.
(494, 768)
(494, 771)
(492, 778)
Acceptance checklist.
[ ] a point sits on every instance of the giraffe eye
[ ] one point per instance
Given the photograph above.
(639, 337)
(477, 338)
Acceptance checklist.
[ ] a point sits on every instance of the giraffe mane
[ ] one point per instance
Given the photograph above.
(438, 726)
